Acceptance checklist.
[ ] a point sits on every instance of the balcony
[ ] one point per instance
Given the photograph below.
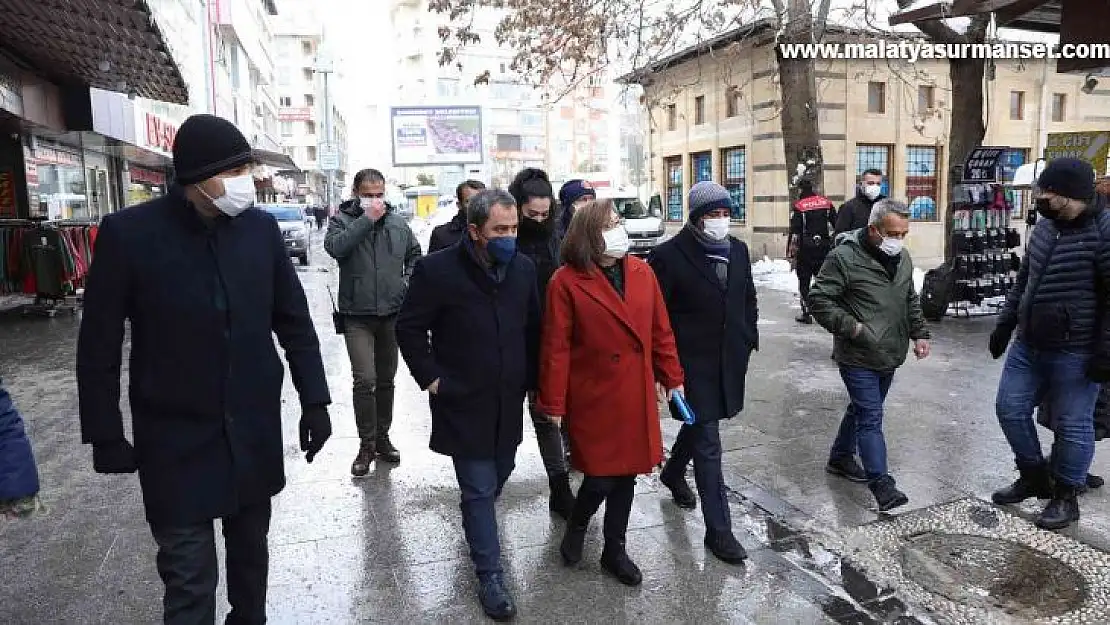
(242, 20)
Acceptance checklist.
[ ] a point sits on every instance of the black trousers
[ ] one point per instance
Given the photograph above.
(616, 493)
(701, 443)
(187, 565)
(807, 266)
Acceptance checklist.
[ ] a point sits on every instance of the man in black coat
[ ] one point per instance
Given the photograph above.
(1061, 354)
(448, 234)
(856, 212)
(477, 299)
(706, 279)
(205, 282)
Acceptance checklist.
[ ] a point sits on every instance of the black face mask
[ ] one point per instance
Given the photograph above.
(533, 228)
(1044, 208)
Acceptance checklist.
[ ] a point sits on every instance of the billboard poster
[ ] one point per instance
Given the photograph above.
(436, 135)
(1093, 147)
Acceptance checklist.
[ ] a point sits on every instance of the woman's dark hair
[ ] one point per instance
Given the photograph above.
(584, 243)
(531, 183)
(476, 185)
(366, 175)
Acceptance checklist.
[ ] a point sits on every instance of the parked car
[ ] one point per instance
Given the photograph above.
(294, 228)
(644, 225)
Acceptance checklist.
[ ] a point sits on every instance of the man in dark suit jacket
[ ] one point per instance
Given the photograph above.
(448, 234)
(205, 282)
(706, 279)
(478, 301)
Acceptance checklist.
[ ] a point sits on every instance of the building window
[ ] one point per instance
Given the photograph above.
(310, 127)
(733, 167)
(926, 98)
(1017, 105)
(673, 167)
(701, 167)
(286, 128)
(285, 101)
(672, 117)
(699, 110)
(509, 143)
(732, 102)
(1059, 107)
(306, 47)
(311, 152)
(309, 100)
(876, 97)
(307, 74)
(874, 157)
(922, 183)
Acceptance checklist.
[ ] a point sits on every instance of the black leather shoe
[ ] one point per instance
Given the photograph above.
(804, 318)
(725, 546)
(887, 494)
(1034, 482)
(562, 497)
(496, 601)
(684, 496)
(573, 540)
(615, 561)
(847, 468)
(361, 466)
(387, 452)
(1061, 511)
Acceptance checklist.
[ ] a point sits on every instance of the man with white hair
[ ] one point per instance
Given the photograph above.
(864, 296)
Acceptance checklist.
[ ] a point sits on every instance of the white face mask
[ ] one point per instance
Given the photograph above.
(365, 203)
(872, 191)
(239, 195)
(716, 228)
(891, 246)
(616, 242)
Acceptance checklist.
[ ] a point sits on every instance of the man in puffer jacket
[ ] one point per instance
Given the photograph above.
(1062, 350)
(19, 477)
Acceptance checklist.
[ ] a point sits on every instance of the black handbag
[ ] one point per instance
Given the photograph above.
(338, 319)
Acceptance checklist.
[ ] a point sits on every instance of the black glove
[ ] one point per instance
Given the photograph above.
(1098, 369)
(1000, 338)
(315, 430)
(115, 457)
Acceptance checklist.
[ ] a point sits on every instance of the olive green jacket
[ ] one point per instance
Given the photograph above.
(853, 286)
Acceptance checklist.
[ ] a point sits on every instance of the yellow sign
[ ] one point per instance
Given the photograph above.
(1093, 147)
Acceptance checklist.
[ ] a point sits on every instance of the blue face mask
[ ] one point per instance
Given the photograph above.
(501, 249)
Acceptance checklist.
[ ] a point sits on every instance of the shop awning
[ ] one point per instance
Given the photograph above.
(111, 44)
(275, 159)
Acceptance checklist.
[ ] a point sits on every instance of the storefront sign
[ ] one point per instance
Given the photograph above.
(159, 133)
(1093, 147)
(11, 98)
(295, 114)
(146, 176)
(982, 164)
(7, 193)
(46, 155)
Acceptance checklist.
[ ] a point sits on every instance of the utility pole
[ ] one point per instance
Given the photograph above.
(327, 153)
(206, 46)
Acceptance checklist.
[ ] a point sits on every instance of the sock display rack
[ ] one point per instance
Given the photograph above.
(985, 261)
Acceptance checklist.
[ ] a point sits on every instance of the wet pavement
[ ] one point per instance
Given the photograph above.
(389, 547)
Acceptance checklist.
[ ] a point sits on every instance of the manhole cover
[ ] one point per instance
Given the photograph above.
(991, 572)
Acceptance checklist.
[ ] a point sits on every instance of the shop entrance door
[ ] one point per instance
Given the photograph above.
(100, 195)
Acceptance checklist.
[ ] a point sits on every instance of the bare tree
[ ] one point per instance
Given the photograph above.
(558, 44)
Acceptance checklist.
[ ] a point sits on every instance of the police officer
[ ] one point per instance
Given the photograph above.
(811, 223)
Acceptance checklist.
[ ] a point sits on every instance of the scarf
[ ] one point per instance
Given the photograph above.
(716, 252)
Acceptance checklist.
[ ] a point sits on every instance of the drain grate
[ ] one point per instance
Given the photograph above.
(967, 562)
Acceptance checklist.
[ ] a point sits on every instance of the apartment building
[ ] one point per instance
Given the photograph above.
(306, 90)
(243, 68)
(715, 117)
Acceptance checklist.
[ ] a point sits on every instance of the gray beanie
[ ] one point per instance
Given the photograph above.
(706, 196)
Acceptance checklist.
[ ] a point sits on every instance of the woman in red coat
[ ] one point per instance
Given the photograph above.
(607, 354)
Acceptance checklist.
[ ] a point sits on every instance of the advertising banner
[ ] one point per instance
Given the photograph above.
(436, 135)
(1093, 147)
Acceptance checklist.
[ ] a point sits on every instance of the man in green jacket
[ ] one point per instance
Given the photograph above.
(376, 251)
(864, 296)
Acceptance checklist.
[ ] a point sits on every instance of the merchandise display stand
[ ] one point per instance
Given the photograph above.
(985, 263)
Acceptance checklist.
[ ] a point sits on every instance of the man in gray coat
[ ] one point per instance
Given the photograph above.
(376, 251)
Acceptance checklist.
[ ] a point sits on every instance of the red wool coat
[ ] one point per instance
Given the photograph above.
(600, 357)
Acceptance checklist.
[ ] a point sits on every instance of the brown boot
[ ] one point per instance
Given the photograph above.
(361, 466)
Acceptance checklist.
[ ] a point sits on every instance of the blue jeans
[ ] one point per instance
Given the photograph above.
(1031, 376)
(480, 483)
(861, 429)
(701, 442)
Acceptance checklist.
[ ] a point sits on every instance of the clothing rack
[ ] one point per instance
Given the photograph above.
(47, 259)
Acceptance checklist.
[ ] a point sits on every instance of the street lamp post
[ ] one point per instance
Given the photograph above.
(327, 153)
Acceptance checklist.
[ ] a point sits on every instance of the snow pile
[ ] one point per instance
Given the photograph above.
(422, 226)
(777, 276)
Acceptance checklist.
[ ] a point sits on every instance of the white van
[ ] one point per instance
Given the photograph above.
(644, 225)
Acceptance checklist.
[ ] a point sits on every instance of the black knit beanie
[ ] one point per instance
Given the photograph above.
(207, 145)
(1070, 177)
